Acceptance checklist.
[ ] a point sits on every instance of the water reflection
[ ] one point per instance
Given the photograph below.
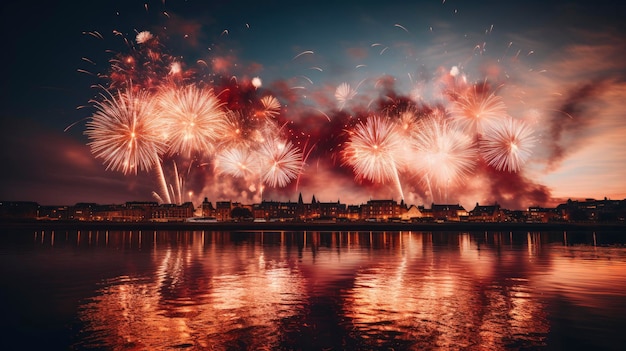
(352, 290)
(209, 299)
(446, 300)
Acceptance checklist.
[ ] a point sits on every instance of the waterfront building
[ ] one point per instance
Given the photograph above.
(449, 213)
(18, 209)
(310, 210)
(276, 210)
(381, 210)
(413, 213)
(486, 213)
(536, 214)
(82, 211)
(172, 212)
(222, 210)
(353, 212)
(331, 210)
(53, 212)
(108, 213)
(136, 211)
(207, 208)
(593, 210)
(589, 210)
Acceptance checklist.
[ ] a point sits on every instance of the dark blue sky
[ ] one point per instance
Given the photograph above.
(572, 44)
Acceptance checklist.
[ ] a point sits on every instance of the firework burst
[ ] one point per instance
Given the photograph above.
(281, 162)
(474, 112)
(245, 132)
(193, 117)
(407, 123)
(238, 162)
(444, 154)
(236, 131)
(125, 132)
(374, 150)
(508, 145)
(143, 37)
(343, 94)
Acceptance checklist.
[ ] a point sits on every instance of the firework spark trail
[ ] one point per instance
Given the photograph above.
(179, 184)
(172, 193)
(125, 132)
(374, 151)
(444, 154)
(193, 116)
(163, 183)
(508, 145)
(158, 197)
(307, 52)
(305, 157)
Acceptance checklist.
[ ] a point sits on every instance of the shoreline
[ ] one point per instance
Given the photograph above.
(311, 226)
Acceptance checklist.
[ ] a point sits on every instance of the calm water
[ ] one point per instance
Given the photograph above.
(99, 290)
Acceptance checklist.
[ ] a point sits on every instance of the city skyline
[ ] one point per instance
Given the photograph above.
(588, 204)
(346, 102)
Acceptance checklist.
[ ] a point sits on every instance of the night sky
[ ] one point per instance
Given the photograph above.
(558, 66)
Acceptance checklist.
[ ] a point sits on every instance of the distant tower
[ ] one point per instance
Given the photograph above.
(300, 199)
(207, 208)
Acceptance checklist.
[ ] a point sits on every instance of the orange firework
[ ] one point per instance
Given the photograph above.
(374, 150)
(193, 117)
(474, 112)
(281, 162)
(443, 154)
(125, 132)
(508, 145)
(238, 162)
(343, 94)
